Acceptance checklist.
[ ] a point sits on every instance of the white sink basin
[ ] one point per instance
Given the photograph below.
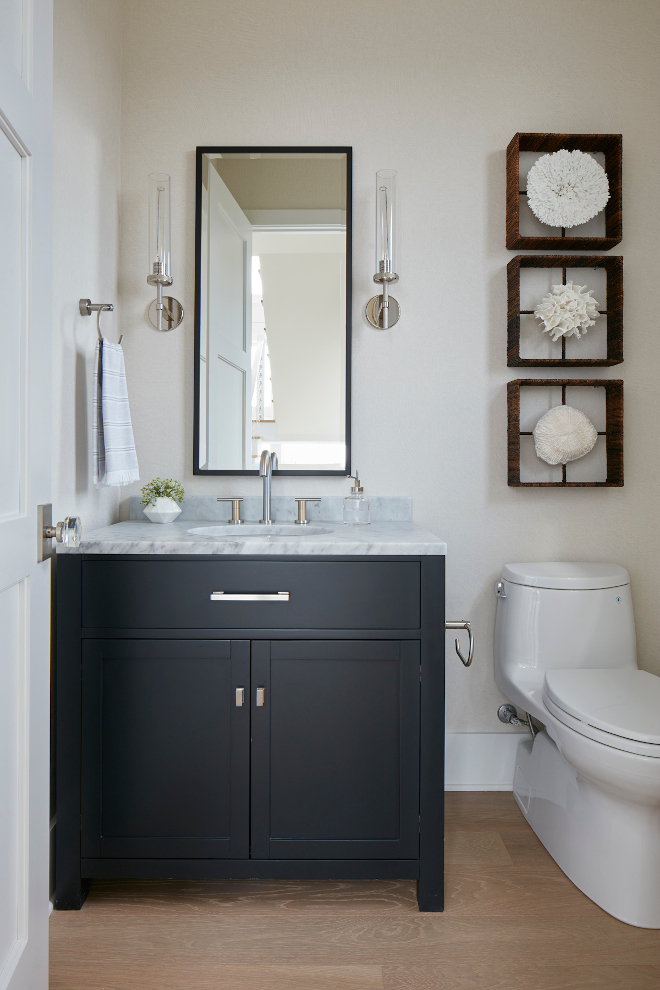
(276, 531)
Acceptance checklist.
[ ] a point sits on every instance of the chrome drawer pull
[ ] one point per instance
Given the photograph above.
(261, 697)
(225, 596)
(240, 697)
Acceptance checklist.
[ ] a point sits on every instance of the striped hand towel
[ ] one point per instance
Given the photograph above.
(113, 446)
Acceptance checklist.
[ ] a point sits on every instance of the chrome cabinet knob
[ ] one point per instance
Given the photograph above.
(302, 510)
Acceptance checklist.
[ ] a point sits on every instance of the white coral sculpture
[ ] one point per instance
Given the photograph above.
(567, 310)
(567, 188)
(563, 434)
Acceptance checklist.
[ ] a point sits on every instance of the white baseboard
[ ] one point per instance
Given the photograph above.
(481, 761)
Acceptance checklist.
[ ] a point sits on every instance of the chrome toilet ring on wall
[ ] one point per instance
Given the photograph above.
(463, 624)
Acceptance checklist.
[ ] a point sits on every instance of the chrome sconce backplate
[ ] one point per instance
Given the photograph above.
(382, 317)
(172, 313)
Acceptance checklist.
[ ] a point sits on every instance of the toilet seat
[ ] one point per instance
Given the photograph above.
(618, 707)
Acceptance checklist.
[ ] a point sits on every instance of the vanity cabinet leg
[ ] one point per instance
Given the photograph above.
(430, 892)
(72, 896)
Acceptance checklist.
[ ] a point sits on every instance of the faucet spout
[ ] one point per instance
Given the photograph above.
(267, 465)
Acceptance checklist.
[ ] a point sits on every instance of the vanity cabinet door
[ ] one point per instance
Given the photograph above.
(335, 750)
(165, 749)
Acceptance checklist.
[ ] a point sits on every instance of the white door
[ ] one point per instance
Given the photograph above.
(25, 319)
(229, 315)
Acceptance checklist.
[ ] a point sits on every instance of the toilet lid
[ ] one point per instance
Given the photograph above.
(566, 575)
(623, 702)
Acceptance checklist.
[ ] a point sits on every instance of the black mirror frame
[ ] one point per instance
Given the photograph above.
(220, 149)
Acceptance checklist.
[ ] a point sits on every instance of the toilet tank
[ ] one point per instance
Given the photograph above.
(559, 615)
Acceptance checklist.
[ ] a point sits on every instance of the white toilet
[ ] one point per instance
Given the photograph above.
(589, 783)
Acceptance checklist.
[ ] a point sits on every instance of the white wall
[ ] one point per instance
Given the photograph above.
(86, 173)
(459, 78)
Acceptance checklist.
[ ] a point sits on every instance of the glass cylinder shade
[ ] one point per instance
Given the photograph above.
(159, 224)
(385, 204)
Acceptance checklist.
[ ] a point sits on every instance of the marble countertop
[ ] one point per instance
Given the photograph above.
(377, 539)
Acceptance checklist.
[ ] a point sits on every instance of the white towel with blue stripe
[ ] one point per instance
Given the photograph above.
(113, 446)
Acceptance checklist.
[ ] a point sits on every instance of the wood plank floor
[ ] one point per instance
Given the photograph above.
(512, 922)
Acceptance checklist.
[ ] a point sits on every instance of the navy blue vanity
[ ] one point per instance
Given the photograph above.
(237, 709)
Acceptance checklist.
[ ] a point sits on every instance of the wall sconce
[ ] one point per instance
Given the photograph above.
(383, 311)
(165, 312)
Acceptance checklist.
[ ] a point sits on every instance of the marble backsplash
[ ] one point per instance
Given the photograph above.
(390, 508)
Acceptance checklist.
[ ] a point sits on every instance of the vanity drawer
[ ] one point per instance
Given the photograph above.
(176, 594)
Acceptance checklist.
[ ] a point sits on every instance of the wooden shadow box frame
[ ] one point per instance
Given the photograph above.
(609, 144)
(613, 266)
(613, 431)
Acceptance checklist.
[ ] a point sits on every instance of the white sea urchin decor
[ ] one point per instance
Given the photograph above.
(567, 188)
(567, 310)
(564, 434)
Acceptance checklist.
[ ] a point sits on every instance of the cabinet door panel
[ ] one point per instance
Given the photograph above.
(165, 749)
(335, 750)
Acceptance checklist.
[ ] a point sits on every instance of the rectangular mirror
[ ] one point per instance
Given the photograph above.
(273, 310)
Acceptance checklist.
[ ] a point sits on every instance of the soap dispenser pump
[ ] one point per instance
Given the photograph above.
(356, 506)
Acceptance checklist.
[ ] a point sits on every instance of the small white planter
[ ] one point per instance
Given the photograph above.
(164, 511)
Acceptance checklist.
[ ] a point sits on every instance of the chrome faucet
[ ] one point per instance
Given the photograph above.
(267, 465)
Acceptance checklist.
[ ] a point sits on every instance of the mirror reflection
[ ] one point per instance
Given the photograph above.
(272, 310)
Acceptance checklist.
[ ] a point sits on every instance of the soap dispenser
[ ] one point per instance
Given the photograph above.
(356, 506)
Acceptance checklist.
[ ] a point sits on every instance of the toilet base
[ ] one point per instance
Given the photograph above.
(608, 846)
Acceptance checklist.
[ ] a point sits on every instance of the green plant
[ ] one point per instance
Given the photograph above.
(162, 488)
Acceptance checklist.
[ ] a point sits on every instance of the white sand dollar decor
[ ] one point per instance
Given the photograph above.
(564, 434)
(567, 310)
(567, 188)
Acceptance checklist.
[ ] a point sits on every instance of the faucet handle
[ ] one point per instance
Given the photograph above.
(302, 508)
(235, 510)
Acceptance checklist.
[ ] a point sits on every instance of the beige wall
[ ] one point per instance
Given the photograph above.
(86, 173)
(429, 396)
(285, 184)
